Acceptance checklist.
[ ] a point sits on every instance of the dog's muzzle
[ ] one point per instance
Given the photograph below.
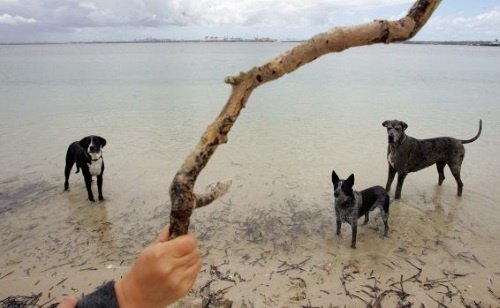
(94, 156)
(390, 139)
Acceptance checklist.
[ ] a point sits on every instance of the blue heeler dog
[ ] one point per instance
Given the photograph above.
(350, 205)
(406, 154)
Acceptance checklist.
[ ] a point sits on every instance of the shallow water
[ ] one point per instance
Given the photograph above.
(271, 238)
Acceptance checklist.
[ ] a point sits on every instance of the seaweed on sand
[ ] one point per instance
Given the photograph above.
(20, 301)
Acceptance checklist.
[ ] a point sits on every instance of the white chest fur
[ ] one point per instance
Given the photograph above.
(390, 159)
(95, 167)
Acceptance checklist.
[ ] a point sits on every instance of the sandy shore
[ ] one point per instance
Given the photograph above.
(270, 242)
(263, 245)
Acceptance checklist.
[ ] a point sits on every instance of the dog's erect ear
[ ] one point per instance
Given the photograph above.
(85, 142)
(335, 177)
(350, 180)
(102, 141)
(404, 125)
(384, 124)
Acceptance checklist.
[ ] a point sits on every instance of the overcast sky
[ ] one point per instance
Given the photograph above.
(88, 20)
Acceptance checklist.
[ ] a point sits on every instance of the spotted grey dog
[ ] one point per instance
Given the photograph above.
(350, 205)
(406, 154)
(87, 154)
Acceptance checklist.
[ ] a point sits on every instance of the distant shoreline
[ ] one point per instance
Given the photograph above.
(153, 41)
(456, 43)
(263, 40)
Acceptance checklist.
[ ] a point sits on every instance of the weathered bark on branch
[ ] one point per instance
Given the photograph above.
(183, 199)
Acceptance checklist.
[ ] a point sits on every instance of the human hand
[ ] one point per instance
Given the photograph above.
(163, 273)
(69, 302)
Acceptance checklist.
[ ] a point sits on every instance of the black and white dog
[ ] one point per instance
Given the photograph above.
(87, 154)
(350, 205)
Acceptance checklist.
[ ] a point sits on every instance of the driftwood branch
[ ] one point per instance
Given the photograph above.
(183, 199)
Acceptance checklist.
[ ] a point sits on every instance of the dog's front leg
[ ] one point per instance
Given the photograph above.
(99, 187)
(88, 184)
(354, 227)
(390, 178)
(399, 186)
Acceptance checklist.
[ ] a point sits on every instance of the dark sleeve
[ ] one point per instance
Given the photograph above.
(102, 297)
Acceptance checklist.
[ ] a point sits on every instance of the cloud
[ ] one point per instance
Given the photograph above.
(483, 26)
(153, 13)
(488, 23)
(13, 20)
(483, 21)
(262, 12)
(34, 19)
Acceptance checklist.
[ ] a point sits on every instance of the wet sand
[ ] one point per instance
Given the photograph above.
(267, 243)
(270, 242)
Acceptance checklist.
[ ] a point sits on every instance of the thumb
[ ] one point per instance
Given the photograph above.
(163, 236)
(69, 302)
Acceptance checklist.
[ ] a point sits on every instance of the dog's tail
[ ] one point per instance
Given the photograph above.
(77, 169)
(477, 136)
